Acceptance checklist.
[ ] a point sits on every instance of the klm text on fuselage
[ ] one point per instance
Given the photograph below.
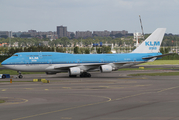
(153, 45)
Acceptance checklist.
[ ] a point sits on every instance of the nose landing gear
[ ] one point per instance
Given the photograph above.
(20, 76)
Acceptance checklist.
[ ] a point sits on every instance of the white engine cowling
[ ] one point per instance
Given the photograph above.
(105, 68)
(74, 71)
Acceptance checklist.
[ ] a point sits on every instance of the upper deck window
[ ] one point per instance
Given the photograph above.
(46, 55)
(32, 55)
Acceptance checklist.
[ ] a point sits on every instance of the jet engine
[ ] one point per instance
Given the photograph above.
(74, 71)
(106, 68)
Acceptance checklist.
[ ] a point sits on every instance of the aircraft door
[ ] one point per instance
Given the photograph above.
(50, 62)
(78, 61)
(27, 62)
(40, 55)
(102, 60)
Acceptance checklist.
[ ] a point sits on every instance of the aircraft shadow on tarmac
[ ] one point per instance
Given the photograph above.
(93, 75)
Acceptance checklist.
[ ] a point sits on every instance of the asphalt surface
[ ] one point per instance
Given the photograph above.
(107, 96)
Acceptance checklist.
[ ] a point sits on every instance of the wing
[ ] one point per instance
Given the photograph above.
(84, 66)
(126, 64)
(92, 66)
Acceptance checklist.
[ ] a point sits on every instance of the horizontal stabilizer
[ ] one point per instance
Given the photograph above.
(158, 56)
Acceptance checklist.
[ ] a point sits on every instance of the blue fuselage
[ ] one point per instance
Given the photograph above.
(25, 58)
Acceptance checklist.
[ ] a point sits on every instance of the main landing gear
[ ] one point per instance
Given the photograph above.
(72, 75)
(20, 76)
(85, 74)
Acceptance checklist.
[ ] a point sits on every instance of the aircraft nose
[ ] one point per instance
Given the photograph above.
(4, 62)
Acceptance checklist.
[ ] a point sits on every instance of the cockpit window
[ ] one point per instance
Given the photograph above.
(15, 55)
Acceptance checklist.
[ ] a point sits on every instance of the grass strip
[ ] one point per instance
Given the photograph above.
(162, 62)
(13, 72)
(156, 74)
(2, 101)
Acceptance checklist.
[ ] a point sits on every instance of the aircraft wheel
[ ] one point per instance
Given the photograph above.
(81, 75)
(3, 76)
(85, 75)
(20, 76)
(88, 75)
(72, 75)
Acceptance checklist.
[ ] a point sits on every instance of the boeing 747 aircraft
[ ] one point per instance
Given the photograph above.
(82, 64)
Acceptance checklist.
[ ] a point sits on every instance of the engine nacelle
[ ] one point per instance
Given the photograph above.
(106, 68)
(74, 71)
(51, 73)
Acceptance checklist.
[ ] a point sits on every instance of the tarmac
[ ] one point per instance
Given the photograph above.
(104, 96)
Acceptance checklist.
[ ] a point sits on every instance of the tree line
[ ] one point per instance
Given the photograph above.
(169, 40)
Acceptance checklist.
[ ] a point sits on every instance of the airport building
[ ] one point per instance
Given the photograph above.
(83, 34)
(61, 31)
(123, 32)
(34, 33)
(6, 33)
(101, 33)
(70, 34)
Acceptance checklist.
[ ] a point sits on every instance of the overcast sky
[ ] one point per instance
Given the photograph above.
(93, 15)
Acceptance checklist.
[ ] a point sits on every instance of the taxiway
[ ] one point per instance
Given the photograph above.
(108, 96)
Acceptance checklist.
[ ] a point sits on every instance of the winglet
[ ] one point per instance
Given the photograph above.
(152, 43)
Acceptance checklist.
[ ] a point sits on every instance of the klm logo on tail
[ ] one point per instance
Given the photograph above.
(153, 45)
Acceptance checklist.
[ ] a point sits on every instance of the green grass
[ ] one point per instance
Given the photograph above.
(156, 74)
(162, 62)
(13, 72)
(2, 101)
